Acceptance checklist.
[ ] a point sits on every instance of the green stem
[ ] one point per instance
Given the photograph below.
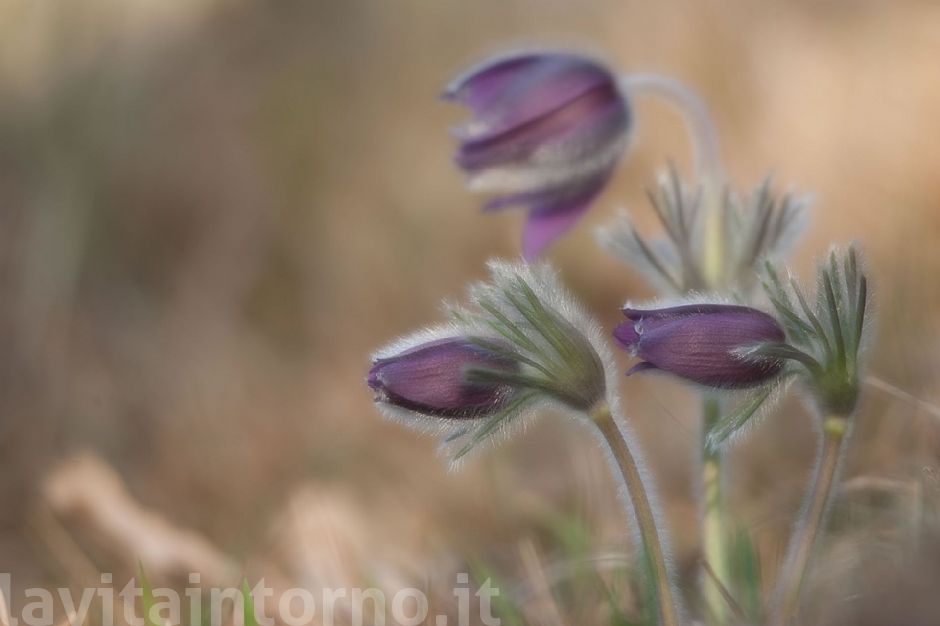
(715, 241)
(669, 612)
(713, 522)
(787, 593)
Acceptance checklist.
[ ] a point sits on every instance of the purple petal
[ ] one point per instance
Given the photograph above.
(642, 366)
(478, 87)
(515, 90)
(583, 127)
(626, 335)
(556, 213)
(687, 310)
(545, 226)
(542, 229)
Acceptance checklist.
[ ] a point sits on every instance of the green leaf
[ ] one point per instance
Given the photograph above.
(798, 329)
(762, 215)
(834, 318)
(856, 285)
(850, 271)
(811, 316)
(617, 616)
(545, 321)
(860, 309)
(779, 350)
(538, 320)
(510, 354)
(146, 598)
(503, 606)
(502, 377)
(775, 279)
(493, 423)
(728, 425)
(654, 261)
(508, 329)
(248, 605)
(650, 614)
(454, 436)
(744, 566)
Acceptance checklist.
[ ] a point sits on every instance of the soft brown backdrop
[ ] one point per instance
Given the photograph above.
(211, 213)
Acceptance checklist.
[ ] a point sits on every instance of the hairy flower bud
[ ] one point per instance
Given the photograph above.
(521, 344)
(549, 128)
(432, 379)
(530, 309)
(704, 343)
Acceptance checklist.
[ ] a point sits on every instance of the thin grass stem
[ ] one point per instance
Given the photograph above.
(732, 604)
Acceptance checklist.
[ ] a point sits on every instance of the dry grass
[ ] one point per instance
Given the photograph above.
(213, 212)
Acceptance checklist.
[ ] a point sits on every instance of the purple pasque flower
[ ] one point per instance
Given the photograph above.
(431, 379)
(704, 343)
(547, 132)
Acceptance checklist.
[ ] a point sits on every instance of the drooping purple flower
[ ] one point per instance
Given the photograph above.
(703, 343)
(547, 132)
(431, 379)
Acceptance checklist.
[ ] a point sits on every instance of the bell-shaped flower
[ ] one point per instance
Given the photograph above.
(433, 378)
(715, 345)
(547, 132)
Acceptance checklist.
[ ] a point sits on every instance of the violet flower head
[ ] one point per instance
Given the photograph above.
(708, 344)
(547, 132)
(433, 379)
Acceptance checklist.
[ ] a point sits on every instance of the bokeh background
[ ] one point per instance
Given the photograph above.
(211, 212)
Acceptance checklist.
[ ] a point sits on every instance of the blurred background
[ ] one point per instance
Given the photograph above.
(212, 212)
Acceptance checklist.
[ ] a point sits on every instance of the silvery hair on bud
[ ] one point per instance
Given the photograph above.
(492, 301)
(495, 303)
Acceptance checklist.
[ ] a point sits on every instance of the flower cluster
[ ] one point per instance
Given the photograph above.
(547, 132)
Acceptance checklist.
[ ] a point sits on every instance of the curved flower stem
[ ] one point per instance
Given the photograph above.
(713, 526)
(787, 593)
(708, 165)
(697, 118)
(669, 612)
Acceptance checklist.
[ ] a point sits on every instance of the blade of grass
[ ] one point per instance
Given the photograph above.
(746, 573)
(146, 598)
(248, 605)
(725, 594)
